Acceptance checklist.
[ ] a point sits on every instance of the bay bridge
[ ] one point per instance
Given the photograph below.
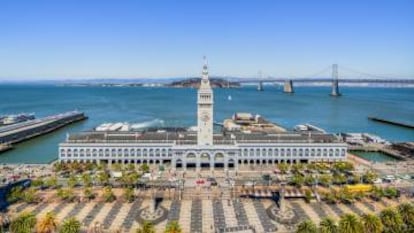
(360, 77)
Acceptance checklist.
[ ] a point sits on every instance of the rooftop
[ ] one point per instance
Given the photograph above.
(179, 136)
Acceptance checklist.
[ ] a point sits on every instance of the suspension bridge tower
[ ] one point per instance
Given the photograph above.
(335, 87)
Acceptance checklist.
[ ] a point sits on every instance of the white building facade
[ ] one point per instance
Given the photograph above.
(184, 150)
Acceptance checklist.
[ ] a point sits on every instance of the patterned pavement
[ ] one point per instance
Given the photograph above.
(204, 216)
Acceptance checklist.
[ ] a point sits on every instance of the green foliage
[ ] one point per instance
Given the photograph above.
(371, 223)
(86, 180)
(349, 223)
(330, 198)
(283, 167)
(406, 211)
(328, 225)
(308, 195)
(103, 178)
(70, 225)
(72, 181)
(129, 194)
(390, 192)
(108, 195)
(343, 166)
(173, 227)
(391, 220)
(369, 177)
(297, 180)
(339, 178)
(15, 194)
(309, 180)
(30, 196)
(144, 168)
(147, 227)
(24, 223)
(130, 178)
(38, 182)
(307, 226)
(325, 180)
(51, 182)
(88, 193)
(66, 194)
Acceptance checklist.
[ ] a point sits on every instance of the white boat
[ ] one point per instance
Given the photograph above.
(229, 97)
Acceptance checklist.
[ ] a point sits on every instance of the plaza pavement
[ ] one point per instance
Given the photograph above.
(120, 216)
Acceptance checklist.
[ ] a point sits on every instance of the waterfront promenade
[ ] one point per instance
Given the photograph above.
(121, 215)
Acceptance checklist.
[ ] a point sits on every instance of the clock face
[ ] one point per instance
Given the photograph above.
(205, 116)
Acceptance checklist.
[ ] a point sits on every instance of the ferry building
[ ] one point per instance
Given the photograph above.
(201, 149)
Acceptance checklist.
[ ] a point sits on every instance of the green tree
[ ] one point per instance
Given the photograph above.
(23, 223)
(30, 195)
(51, 182)
(147, 227)
(66, 194)
(369, 177)
(145, 168)
(129, 194)
(283, 167)
(173, 227)
(117, 167)
(108, 195)
(47, 224)
(343, 166)
(297, 180)
(406, 211)
(72, 181)
(88, 193)
(325, 180)
(103, 178)
(349, 223)
(310, 180)
(328, 225)
(371, 223)
(70, 225)
(391, 220)
(86, 180)
(38, 182)
(307, 226)
(15, 194)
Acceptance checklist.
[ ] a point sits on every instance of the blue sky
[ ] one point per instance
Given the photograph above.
(124, 39)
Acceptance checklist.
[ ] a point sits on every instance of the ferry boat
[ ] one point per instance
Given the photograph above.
(13, 119)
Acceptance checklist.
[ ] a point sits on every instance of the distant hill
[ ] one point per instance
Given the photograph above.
(195, 83)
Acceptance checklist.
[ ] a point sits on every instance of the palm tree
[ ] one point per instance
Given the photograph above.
(349, 223)
(328, 225)
(72, 181)
(70, 225)
(108, 195)
(86, 180)
(52, 182)
(371, 223)
(147, 227)
(47, 224)
(103, 178)
(173, 227)
(307, 226)
(406, 210)
(129, 194)
(391, 220)
(24, 223)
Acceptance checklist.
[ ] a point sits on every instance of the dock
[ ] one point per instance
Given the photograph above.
(23, 131)
(406, 125)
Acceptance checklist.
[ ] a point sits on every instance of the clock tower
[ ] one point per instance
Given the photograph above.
(205, 110)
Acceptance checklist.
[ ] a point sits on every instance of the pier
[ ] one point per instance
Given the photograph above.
(390, 122)
(29, 129)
